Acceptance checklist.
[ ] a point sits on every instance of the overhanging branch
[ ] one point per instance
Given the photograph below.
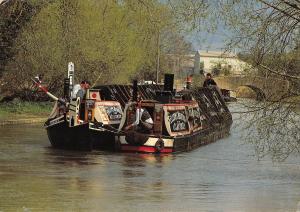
(278, 73)
(280, 10)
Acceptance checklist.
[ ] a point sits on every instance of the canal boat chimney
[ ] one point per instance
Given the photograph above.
(135, 91)
(169, 82)
(166, 95)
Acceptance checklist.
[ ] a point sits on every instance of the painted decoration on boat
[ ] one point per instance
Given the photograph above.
(90, 103)
(113, 112)
(178, 121)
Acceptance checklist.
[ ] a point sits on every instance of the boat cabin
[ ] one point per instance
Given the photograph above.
(176, 117)
(92, 109)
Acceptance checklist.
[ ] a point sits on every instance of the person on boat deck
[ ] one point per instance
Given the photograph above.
(81, 93)
(143, 120)
(76, 88)
(209, 81)
(84, 85)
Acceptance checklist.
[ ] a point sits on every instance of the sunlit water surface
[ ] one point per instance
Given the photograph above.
(223, 176)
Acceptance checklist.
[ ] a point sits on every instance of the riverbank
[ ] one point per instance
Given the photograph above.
(18, 112)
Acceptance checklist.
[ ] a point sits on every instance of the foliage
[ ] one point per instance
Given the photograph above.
(221, 68)
(109, 41)
(216, 69)
(13, 15)
(201, 68)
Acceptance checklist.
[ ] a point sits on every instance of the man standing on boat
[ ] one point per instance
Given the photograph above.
(209, 81)
(84, 85)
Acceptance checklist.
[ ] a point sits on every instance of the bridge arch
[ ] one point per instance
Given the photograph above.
(258, 93)
(265, 88)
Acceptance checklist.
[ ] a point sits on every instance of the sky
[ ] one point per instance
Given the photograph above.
(204, 41)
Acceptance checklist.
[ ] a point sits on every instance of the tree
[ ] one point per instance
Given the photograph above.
(201, 68)
(268, 33)
(107, 40)
(103, 38)
(14, 14)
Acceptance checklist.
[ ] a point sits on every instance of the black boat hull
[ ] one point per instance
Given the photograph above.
(102, 140)
(62, 136)
(201, 138)
(83, 138)
(176, 144)
(80, 137)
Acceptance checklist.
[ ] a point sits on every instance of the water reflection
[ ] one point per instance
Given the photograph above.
(141, 160)
(68, 158)
(141, 180)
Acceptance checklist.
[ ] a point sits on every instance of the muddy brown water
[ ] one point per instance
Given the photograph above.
(223, 176)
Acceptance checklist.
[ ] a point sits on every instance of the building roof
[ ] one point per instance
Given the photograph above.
(216, 54)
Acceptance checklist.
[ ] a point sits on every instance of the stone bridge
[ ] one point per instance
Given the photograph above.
(269, 88)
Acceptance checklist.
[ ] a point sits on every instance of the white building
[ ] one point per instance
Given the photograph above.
(212, 59)
(184, 65)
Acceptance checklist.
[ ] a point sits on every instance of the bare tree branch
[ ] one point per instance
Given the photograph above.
(280, 10)
(278, 73)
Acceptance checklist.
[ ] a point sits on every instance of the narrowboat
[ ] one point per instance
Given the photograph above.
(84, 125)
(81, 123)
(182, 121)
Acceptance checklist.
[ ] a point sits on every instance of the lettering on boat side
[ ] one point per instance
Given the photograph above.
(178, 121)
(113, 112)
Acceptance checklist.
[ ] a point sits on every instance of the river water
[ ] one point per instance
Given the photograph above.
(223, 176)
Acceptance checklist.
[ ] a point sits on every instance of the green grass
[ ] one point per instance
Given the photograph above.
(18, 109)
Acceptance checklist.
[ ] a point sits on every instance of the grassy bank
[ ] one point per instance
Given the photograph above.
(19, 110)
